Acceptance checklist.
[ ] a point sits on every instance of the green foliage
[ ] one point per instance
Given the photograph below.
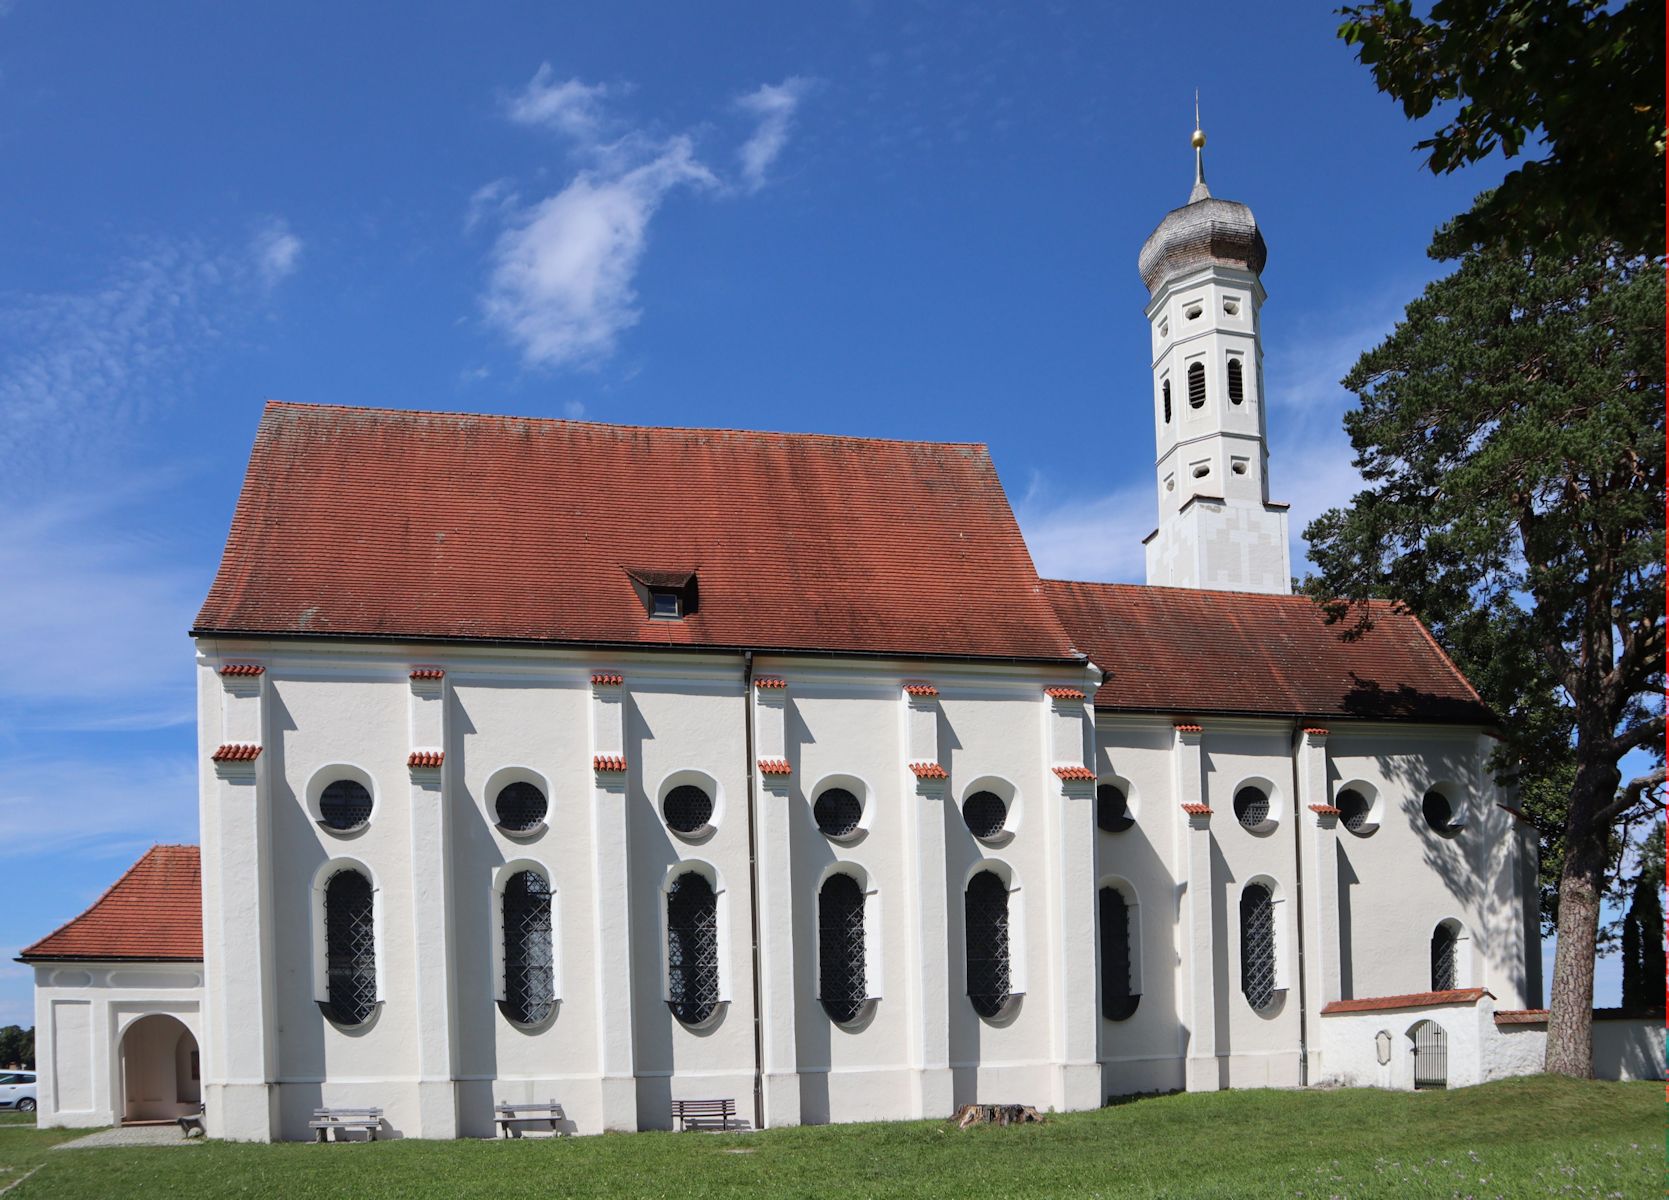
(1582, 78)
(1642, 936)
(17, 1046)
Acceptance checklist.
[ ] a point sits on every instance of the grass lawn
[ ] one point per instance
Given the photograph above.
(1525, 1137)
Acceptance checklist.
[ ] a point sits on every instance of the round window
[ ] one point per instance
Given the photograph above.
(837, 812)
(687, 809)
(985, 813)
(1251, 807)
(1112, 808)
(1353, 809)
(345, 804)
(1439, 813)
(521, 806)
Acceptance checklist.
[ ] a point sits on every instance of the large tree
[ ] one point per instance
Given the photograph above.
(1511, 437)
(1581, 80)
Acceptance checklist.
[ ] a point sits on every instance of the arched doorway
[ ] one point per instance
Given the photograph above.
(1431, 1055)
(161, 1070)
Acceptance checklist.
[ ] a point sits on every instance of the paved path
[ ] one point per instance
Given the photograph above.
(131, 1135)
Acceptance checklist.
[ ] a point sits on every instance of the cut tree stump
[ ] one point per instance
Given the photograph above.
(996, 1114)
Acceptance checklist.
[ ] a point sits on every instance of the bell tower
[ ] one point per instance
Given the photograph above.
(1218, 528)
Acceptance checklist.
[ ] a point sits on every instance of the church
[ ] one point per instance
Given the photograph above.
(619, 766)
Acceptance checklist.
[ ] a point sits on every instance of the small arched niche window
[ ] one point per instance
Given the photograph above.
(344, 804)
(529, 949)
(1257, 946)
(1445, 939)
(1119, 993)
(837, 812)
(1237, 386)
(1112, 808)
(1165, 394)
(520, 807)
(692, 948)
(1196, 385)
(840, 949)
(350, 948)
(985, 927)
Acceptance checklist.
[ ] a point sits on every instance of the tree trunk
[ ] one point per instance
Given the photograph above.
(1570, 1019)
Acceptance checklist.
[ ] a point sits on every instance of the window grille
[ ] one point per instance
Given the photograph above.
(345, 804)
(1112, 809)
(1353, 809)
(837, 812)
(520, 807)
(687, 808)
(985, 911)
(840, 948)
(1196, 385)
(1257, 946)
(1237, 391)
(1165, 390)
(1443, 945)
(1118, 998)
(529, 949)
(692, 948)
(984, 813)
(1251, 806)
(1439, 813)
(350, 948)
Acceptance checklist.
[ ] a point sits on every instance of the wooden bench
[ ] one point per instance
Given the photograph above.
(512, 1116)
(333, 1121)
(190, 1122)
(703, 1114)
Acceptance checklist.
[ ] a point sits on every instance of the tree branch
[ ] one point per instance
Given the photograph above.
(1632, 794)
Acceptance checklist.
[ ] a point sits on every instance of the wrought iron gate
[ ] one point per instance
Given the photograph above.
(1431, 1055)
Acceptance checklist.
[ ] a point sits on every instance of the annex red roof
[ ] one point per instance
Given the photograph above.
(154, 912)
(1082, 774)
(385, 523)
(1410, 1000)
(1183, 650)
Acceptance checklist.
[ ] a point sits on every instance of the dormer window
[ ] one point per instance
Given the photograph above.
(667, 594)
(665, 605)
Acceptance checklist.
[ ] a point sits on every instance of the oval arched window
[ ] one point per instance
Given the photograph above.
(1439, 813)
(529, 949)
(1257, 946)
(985, 927)
(1237, 388)
(1251, 806)
(984, 814)
(1112, 809)
(687, 809)
(840, 948)
(1353, 809)
(1118, 996)
(837, 812)
(350, 948)
(1444, 939)
(520, 806)
(692, 948)
(345, 804)
(1196, 385)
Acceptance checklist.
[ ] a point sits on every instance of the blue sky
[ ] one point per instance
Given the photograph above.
(901, 220)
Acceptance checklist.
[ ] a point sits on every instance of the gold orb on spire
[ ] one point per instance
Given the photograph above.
(1199, 139)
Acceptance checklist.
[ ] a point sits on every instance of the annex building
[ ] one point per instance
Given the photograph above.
(616, 765)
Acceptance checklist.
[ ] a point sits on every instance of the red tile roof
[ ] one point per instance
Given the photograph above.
(242, 670)
(770, 683)
(1079, 773)
(609, 763)
(920, 689)
(1521, 1016)
(1063, 693)
(929, 770)
(606, 679)
(1194, 651)
(775, 766)
(153, 912)
(1186, 727)
(423, 673)
(1197, 810)
(523, 529)
(236, 752)
(426, 758)
(1411, 1000)
(1315, 731)
(1327, 810)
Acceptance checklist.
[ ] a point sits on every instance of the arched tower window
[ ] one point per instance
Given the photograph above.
(1443, 943)
(985, 915)
(1196, 385)
(1118, 994)
(350, 948)
(529, 949)
(1237, 388)
(692, 948)
(1257, 946)
(1165, 391)
(840, 948)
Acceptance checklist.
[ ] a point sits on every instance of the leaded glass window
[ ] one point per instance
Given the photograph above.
(1257, 946)
(345, 804)
(1443, 943)
(520, 806)
(984, 813)
(840, 948)
(692, 948)
(529, 949)
(985, 913)
(1251, 806)
(837, 812)
(1112, 808)
(687, 809)
(350, 948)
(1118, 996)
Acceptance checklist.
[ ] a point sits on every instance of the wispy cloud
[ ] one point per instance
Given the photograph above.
(276, 251)
(122, 805)
(774, 106)
(561, 272)
(1096, 538)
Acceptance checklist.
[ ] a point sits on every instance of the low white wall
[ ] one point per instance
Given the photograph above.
(1624, 1048)
(1350, 1045)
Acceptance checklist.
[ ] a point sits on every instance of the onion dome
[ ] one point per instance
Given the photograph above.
(1204, 231)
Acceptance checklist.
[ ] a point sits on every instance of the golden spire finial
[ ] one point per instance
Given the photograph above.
(1199, 134)
(1200, 192)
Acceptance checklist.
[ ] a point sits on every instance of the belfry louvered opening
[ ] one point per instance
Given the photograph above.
(840, 949)
(1118, 993)
(985, 922)
(350, 948)
(692, 948)
(1257, 946)
(1237, 386)
(1444, 941)
(1165, 392)
(529, 949)
(1196, 385)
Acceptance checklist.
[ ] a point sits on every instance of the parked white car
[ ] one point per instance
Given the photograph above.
(17, 1090)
